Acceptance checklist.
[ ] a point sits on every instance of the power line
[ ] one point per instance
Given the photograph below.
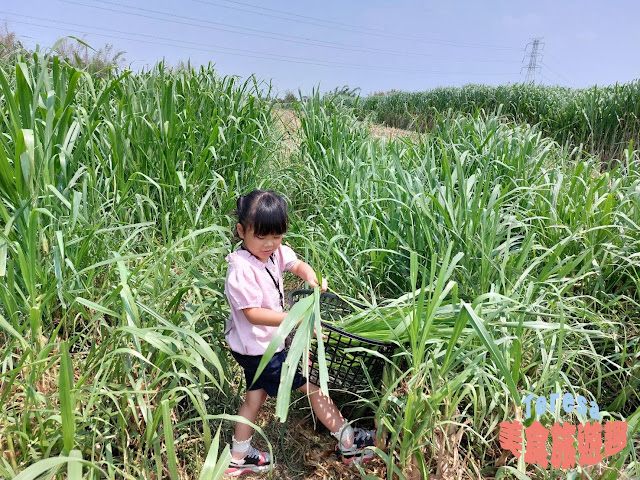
(198, 46)
(347, 27)
(558, 74)
(262, 33)
(235, 51)
(549, 80)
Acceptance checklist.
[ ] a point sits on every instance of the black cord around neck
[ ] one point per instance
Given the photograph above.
(273, 279)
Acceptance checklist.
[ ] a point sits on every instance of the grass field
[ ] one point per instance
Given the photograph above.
(602, 120)
(506, 263)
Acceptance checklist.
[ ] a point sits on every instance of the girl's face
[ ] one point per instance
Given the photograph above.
(261, 247)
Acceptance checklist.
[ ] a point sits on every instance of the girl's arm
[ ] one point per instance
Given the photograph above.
(264, 316)
(271, 318)
(306, 273)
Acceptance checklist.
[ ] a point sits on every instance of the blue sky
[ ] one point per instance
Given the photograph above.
(374, 45)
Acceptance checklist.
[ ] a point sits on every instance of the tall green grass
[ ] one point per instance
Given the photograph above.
(115, 194)
(601, 119)
(504, 264)
(541, 274)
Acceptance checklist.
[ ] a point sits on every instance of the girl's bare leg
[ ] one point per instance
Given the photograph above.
(249, 410)
(323, 407)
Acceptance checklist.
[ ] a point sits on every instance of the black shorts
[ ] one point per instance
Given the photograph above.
(269, 379)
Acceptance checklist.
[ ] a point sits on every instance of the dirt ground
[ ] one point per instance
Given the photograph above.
(303, 450)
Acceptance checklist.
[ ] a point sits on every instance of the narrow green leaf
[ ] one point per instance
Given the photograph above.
(322, 362)
(74, 469)
(461, 322)
(297, 312)
(95, 306)
(7, 326)
(35, 471)
(169, 440)
(60, 197)
(66, 399)
(214, 467)
(486, 338)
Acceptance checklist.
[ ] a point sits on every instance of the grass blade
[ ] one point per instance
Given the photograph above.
(169, 440)
(66, 399)
(487, 340)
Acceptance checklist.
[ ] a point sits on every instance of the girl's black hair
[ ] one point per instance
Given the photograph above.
(264, 211)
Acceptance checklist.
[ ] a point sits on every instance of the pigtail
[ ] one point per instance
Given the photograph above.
(240, 213)
(240, 203)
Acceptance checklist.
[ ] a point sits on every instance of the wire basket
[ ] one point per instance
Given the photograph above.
(349, 371)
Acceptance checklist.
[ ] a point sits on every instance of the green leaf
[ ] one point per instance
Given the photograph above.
(506, 470)
(7, 326)
(322, 362)
(299, 311)
(461, 322)
(41, 467)
(66, 399)
(169, 440)
(95, 306)
(214, 467)
(486, 338)
(74, 468)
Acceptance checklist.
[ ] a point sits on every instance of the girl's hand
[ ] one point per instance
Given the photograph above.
(324, 336)
(306, 273)
(313, 283)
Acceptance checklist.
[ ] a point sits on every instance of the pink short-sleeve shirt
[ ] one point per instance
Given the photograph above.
(248, 285)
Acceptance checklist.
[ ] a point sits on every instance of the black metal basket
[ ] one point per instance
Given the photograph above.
(349, 371)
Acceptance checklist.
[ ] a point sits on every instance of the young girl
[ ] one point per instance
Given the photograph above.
(255, 292)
